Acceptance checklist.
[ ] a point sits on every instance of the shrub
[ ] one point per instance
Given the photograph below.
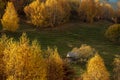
(116, 69)
(10, 18)
(96, 69)
(84, 52)
(113, 33)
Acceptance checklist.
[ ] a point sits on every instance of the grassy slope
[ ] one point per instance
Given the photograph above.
(70, 35)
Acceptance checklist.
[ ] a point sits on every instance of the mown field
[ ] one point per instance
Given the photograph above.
(70, 35)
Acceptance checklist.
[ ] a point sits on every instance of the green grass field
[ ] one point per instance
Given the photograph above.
(70, 35)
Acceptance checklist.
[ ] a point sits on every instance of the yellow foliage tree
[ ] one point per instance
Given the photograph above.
(48, 13)
(54, 65)
(88, 10)
(96, 69)
(24, 61)
(2, 7)
(34, 13)
(116, 69)
(10, 18)
(3, 44)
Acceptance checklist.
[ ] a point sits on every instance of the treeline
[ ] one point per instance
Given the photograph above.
(50, 13)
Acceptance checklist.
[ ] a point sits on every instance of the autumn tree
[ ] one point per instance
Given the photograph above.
(96, 69)
(88, 10)
(2, 7)
(3, 44)
(58, 10)
(91, 10)
(34, 11)
(48, 13)
(116, 69)
(69, 71)
(24, 61)
(74, 7)
(54, 65)
(10, 18)
(107, 11)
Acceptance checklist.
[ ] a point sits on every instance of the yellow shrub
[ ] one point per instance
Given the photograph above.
(113, 33)
(10, 18)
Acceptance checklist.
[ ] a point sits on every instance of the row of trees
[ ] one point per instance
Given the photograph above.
(55, 13)
(50, 13)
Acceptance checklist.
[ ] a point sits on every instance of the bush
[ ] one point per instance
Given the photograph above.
(113, 33)
(83, 53)
(116, 70)
(10, 18)
(96, 69)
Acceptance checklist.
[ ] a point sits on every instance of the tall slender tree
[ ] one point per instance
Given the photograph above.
(10, 18)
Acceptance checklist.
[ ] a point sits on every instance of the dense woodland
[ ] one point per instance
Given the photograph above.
(25, 59)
